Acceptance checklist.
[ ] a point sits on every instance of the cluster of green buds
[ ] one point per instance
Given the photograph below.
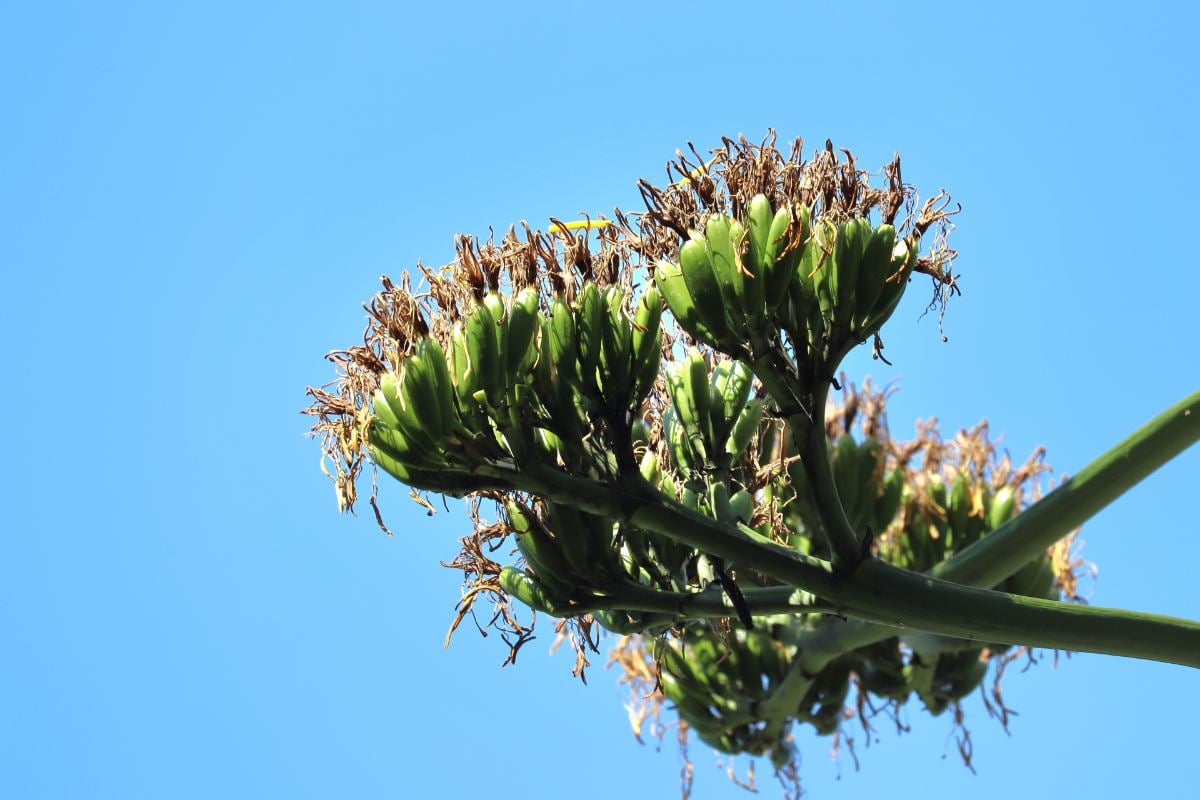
(519, 383)
(828, 285)
(577, 372)
(561, 386)
(870, 496)
(721, 682)
(699, 455)
(716, 683)
(722, 685)
(712, 419)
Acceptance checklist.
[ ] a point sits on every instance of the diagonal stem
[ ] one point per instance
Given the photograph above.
(808, 436)
(1025, 537)
(880, 592)
(813, 447)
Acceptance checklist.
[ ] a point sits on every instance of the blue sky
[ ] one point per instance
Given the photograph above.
(195, 198)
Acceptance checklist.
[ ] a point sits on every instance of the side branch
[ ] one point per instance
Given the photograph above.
(1023, 538)
(1020, 540)
(810, 440)
(880, 592)
(808, 434)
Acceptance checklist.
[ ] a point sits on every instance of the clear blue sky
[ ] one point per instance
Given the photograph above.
(196, 197)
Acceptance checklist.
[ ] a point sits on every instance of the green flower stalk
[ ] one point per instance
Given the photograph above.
(641, 407)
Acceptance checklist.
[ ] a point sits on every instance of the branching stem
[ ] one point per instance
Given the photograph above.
(1026, 536)
(812, 444)
(879, 592)
(1023, 538)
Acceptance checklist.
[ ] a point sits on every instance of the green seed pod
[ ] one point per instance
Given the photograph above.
(752, 279)
(888, 504)
(787, 231)
(873, 272)
(705, 292)
(847, 256)
(646, 344)
(520, 333)
(741, 503)
(718, 234)
(589, 327)
(845, 475)
(668, 277)
(483, 351)
(616, 382)
(1004, 503)
(531, 591)
(563, 342)
(904, 259)
(959, 509)
(542, 554)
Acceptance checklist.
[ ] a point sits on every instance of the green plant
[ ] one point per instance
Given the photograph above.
(684, 480)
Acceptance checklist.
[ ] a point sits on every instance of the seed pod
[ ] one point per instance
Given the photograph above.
(818, 267)
(873, 272)
(413, 428)
(531, 591)
(649, 468)
(745, 428)
(382, 410)
(465, 375)
(788, 230)
(704, 290)
(483, 350)
(753, 291)
(1004, 503)
(617, 383)
(589, 328)
(729, 276)
(845, 475)
(541, 553)
(677, 444)
(741, 503)
(969, 672)
(759, 217)
(668, 277)
(439, 373)
(959, 509)
(889, 501)
(392, 441)
(904, 258)
(566, 524)
(521, 330)
(646, 344)
(563, 352)
(695, 382)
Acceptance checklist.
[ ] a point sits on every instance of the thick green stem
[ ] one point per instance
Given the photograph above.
(805, 413)
(808, 432)
(781, 705)
(879, 592)
(811, 441)
(1026, 536)
(1014, 544)
(987, 617)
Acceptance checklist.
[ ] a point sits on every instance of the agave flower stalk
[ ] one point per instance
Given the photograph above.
(640, 408)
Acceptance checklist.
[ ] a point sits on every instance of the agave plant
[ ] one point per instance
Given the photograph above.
(641, 406)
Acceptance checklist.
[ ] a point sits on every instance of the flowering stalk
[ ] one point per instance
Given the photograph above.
(643, 401)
